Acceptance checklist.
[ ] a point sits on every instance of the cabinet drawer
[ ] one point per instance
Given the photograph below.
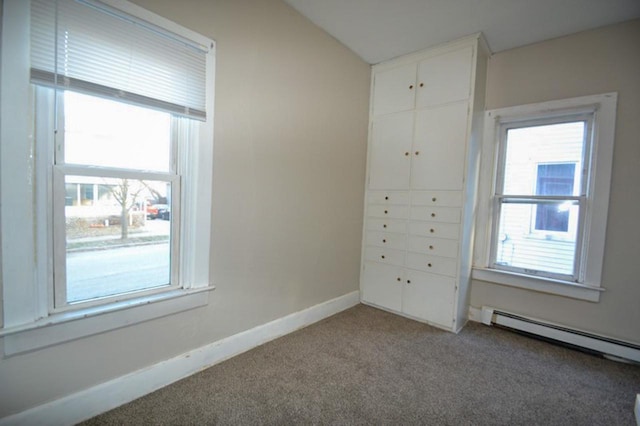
(436, 265)
(435, 229)
(437, 198)
(384, 255)
(393, 212)
(436, 214)
(386, 239)
(433, 246)
(388, 197)
(387, 225)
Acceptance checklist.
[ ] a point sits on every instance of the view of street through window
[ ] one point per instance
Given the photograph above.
(117, 200)
(104, 264)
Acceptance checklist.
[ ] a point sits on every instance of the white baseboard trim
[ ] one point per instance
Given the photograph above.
(475, 314)
(106, 396)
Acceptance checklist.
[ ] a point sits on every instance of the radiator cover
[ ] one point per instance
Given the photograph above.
(592, 342)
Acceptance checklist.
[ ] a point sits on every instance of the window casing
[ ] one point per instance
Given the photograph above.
(36, 181)
(543, 195)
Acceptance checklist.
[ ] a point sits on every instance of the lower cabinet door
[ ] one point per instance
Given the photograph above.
(429, 297)
(382, 285)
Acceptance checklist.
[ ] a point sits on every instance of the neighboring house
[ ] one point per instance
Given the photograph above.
(98, 197)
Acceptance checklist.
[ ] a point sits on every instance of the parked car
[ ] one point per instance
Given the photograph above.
(165, 214)
(158, 211)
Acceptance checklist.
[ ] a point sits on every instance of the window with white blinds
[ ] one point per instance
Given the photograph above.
(91, 47)
(109, 151)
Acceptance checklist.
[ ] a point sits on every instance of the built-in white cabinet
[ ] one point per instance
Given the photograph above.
(421, 179)
(434, 80)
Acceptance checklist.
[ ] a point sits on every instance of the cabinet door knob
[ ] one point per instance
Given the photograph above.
(384, 241)
(430, 247)
(408, 281)
(386, 197)
(421, 84)
(429, 265)
(382, 256)
(406, 154)
(384, 225)
(433, 199)
(417, 152)
(399, 279)
(386, 211)
(433, 215)
(410, 86)
(432, 230)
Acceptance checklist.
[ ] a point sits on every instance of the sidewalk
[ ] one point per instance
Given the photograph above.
(154, 232)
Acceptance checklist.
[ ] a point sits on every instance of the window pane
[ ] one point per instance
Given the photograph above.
(113, 246)
(554, 179)
(544, 160)
(102, 132)
(518, 246)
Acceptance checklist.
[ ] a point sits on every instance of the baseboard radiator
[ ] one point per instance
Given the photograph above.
(591, 342)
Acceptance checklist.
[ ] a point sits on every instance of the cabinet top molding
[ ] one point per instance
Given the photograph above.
(434, 51)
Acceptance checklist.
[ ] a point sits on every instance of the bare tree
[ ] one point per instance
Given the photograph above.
(125, 195)
(156, 195)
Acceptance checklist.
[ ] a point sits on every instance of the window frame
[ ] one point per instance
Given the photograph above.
(588, 285)
(27, 320)
(500, 198)
(44, 100)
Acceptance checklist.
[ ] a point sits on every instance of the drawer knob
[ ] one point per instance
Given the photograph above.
(432, 230)
(429, 265)
(382, 256)
(384, 241)
(417, 152)
(399, 279)
(410, 86)
(408, 281)
(433, 215)
(433, 199)
(421, 84)
(386, 197)
(406, 154)
(384, 225)
(386, 211)
(430, 247)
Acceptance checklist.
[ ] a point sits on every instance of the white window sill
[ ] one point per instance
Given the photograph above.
(66, 326)
(542, 285)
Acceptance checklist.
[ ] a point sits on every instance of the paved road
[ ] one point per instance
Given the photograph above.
(100, 273)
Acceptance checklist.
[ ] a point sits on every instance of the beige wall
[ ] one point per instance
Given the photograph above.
(592, 62)
(290, 148)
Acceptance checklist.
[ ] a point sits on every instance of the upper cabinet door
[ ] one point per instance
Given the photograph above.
(394, 90)
(390, 156)
(438, 155)
(444, 78)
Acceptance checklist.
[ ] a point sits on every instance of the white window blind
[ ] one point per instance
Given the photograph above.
(88, 46)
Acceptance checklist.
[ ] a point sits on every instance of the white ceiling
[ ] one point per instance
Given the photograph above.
(378, 30)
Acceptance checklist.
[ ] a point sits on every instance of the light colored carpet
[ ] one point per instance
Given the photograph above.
(366, 366)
